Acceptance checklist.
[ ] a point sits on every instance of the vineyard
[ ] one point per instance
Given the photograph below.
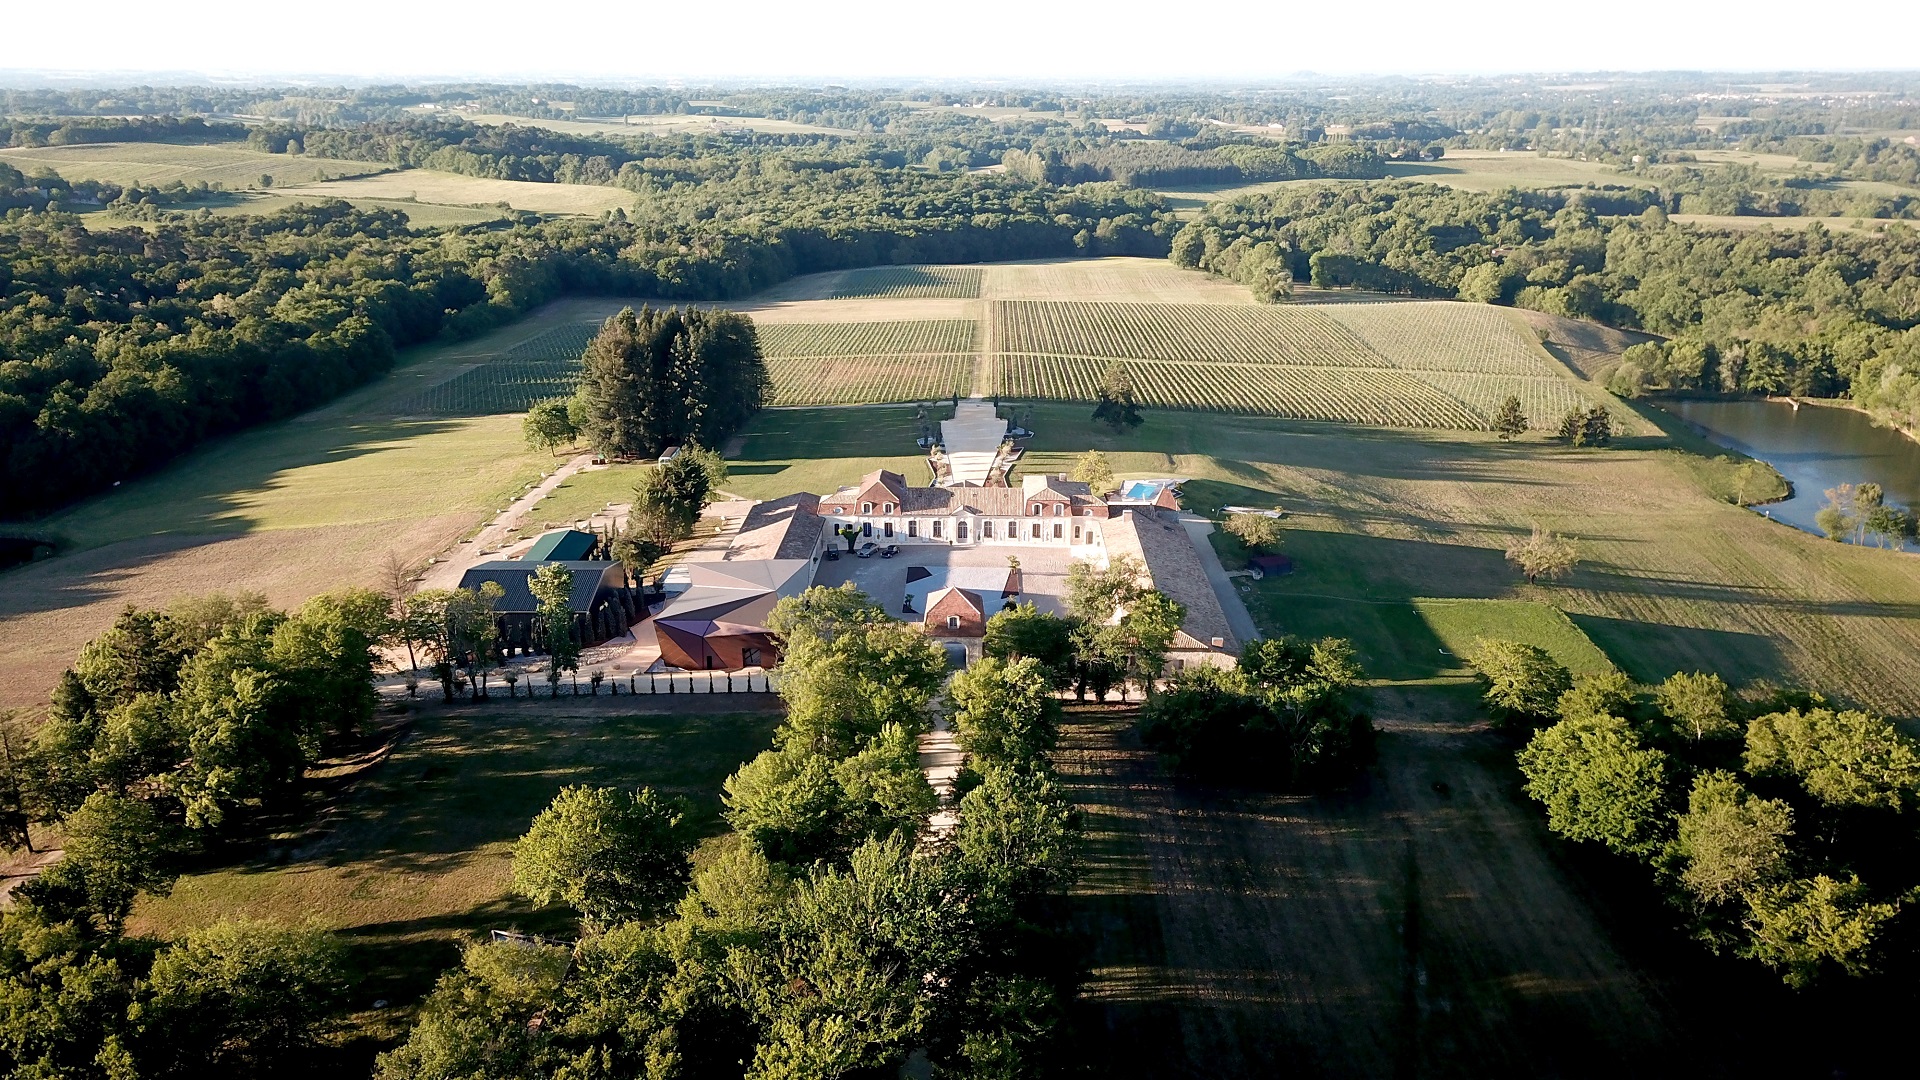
(536, 369)
(1397, 364)
(868, 338)
(1349, 395)
(866, 380)
(1442, 336)
(906, 282)
(1200, 333)
(1441, 365)
(866, 363)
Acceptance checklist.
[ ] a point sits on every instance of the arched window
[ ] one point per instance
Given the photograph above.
(1035, 510)
(1059, 509)
(889, 508)
(953, 622)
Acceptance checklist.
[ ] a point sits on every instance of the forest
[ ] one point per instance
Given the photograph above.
(123, 348)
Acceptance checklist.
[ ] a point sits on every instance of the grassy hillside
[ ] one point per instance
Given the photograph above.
(231, 167)
(453, 189)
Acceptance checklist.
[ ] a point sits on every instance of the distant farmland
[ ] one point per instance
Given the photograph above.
(156, 164)
(453, 189)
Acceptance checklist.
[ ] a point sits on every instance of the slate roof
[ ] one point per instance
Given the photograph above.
(742, 592)
(963, 498)
(514, 574)
(1173, 566)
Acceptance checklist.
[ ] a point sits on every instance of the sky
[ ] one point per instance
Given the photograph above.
(1017, 41)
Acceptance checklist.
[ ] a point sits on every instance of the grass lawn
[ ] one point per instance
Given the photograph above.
(818, 450)
(290, 509)
(1460, 624)
(584, 494)
(415, 855)
(1671, 577)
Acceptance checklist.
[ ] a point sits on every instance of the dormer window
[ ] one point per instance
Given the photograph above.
(889, 508)
(1036, 510)
(866, 508)
(1059, 509)
(953, 622)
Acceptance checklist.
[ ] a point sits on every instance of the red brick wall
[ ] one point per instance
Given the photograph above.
(953, 603)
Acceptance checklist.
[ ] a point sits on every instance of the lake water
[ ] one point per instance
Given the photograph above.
(1814, 447)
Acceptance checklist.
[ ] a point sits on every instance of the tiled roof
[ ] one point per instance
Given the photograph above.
(785, 528)
(1173, 566)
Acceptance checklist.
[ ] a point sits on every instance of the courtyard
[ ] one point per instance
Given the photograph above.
(1043, 571)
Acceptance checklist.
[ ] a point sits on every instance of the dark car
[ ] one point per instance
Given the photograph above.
(833, 554)
(866, 550)
(890, 551)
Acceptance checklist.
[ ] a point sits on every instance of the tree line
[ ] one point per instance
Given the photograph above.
(120, 349)
(172, 732)
(828, 933)
(1777, 824)
(1146, 163)
(1809, 312)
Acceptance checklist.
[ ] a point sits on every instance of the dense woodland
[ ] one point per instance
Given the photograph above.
(123, 348)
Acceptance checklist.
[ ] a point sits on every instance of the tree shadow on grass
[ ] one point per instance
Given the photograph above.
(1649, 652)
(200, 499)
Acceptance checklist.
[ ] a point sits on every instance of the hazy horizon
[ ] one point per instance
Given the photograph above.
(992, 41)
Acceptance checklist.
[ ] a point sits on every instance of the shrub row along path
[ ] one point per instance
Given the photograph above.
(447, 573)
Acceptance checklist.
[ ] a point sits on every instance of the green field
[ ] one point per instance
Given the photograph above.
(818, 450)
(908, 282)
(455, 189)
(152, 164)
(1493, 170)
(1671, 578)
(1462, 624)
(414, 857)
(1440, 365)
(289, 509)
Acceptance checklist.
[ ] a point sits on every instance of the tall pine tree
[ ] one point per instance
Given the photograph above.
(658, 378)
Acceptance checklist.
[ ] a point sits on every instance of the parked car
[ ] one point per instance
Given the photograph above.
(833, 554)
(890, 551)
(866, 550)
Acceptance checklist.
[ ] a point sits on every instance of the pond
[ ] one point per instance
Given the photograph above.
(1815, 447)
